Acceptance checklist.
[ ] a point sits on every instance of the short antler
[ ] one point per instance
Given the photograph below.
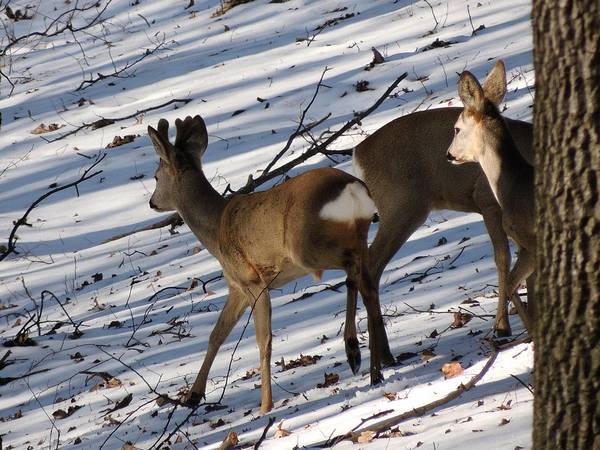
(191, 134)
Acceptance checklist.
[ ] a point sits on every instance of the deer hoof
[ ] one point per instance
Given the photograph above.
(376, 378)
(353, 354)
(502, 332)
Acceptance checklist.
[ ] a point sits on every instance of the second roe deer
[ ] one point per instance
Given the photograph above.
(318, 220)
(481, 135)
(404, 166)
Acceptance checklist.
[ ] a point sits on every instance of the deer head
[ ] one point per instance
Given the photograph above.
(186, 154)
(473, 127)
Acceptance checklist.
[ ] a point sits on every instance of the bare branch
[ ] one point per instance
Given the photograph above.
(252, 184)
(86, 175)
(117, 73)
(102, 122)
(300, 124)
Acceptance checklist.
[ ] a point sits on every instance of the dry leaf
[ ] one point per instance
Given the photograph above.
(43, 128)
(427, 354)
(302, 361)
(365, 436)
(390, 395)
(330, 378)
(113, 383)
(129, 446)
(460, 319)
(452, 369)
(281, 432)
(62, 414)
(504, 422)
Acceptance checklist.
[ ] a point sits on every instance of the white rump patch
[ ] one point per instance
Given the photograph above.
(358, 171)
(353, 203)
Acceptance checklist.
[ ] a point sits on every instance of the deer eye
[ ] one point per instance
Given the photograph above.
(456, 130)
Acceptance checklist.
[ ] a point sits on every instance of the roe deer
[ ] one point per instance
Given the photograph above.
(404, 166)
(481, 135)
(318, 220)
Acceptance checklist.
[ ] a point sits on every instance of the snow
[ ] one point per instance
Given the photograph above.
(154, 339)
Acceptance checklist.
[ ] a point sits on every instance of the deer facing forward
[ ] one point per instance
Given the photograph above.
(318, 220)
(481, 135)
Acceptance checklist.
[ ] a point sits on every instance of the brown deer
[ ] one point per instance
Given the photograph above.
(405, 168)
(482, 135)
(318, 220)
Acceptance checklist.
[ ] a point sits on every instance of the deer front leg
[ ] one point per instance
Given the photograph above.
(350, 339)
(522, 269)
(493, 223)
(232, 311)
(262, 326)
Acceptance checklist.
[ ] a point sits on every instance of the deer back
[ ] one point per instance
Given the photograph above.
(405, 161)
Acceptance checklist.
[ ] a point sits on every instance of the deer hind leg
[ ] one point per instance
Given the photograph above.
(396, 225)
(370, 296)
(350, 338)
(522, 269)
(234, 307)
(262, 325)
(493, 223)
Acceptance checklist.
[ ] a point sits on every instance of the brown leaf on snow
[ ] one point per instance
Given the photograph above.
(365, 436)
(427, 354)
(62, 414)
(330, 378)
(460, 320)
(118, 140)
(504, 422)
(43, 128)
(281, 432)
(390, 395)
(129, 446)
(302, 361)
(113, 383)
(452, 369)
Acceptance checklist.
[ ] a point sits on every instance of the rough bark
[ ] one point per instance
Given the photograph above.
(567, 146)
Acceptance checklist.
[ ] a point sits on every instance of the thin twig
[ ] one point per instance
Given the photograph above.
(300, 124)
(252, 184)
(264, 433)
(12, 239)
(104, 121)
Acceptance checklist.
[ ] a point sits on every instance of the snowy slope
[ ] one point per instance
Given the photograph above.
(144, 321)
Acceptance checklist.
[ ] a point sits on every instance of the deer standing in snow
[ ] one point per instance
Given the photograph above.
(318, 220)
(404, 165)
(481, 135)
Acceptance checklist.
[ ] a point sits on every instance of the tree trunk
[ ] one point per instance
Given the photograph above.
(567, 146)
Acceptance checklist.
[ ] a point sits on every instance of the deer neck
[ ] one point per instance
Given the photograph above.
(508, 173)
(201, 208)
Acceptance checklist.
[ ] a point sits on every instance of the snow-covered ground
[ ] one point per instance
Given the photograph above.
(145, 321)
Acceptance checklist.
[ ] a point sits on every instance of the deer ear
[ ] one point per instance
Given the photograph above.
(163, 148)
(494, 86)
(470, 92)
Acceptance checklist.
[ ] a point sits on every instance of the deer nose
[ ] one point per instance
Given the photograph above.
(450, 156)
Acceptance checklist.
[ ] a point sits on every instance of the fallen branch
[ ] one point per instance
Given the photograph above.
(117, 72)
(264, 433)
(12, 238)
(102, 122)
(386, 424)
(174, 220)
